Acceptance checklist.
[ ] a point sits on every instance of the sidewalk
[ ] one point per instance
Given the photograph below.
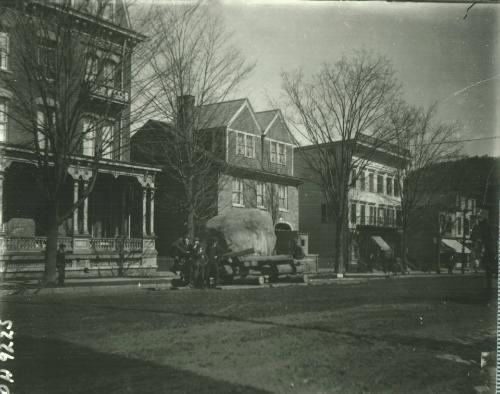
(163, 281)
(84, 285)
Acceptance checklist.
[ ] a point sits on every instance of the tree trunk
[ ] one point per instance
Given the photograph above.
(340, 241)
(404, 243)
(50, 274)
(190, 211)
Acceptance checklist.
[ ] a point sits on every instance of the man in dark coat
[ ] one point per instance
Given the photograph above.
(181, 249)
(61, 264)
(198, 264)
(214, 256)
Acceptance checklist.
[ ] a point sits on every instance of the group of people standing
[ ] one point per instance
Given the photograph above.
(196, 262)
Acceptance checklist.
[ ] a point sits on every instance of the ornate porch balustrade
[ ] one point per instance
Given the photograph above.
(38, 244)
(133, 244)
(112, 244)
(34, 244)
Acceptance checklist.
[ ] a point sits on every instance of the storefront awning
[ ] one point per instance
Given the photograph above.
(454, 246)
(381, 243)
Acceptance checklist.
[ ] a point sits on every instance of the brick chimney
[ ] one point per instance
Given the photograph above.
(185, 112)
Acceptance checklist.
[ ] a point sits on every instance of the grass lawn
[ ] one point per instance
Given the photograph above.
(417, 335)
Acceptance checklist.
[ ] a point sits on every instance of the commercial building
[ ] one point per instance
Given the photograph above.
(374, 204)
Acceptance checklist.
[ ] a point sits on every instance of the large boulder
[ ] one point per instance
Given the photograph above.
(244, 228)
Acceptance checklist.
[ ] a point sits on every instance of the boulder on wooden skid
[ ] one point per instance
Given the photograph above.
(244, 228)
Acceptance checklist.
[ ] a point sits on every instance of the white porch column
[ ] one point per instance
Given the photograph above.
(152, 212)
(75, 211)
(144, 210)
(85, 209)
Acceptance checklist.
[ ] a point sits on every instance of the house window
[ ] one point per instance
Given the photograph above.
(240, 144)
(362, 213)
(353, 213)
(391, 217)
(260, 194)
(107, 141)
(372, 214)
(245, 145)
(237, 192)
(282, 198)
(371, 186)
(362, 181)
(109, 73)
(353, 178)
(380, 184)
(44, 127)
(399, 218)
(46, 59)
(466, 227)
(380, 217)
(459, 225)
(396, 187)
(3, 120)
(88, 137)
(281, 154)
(326, 214)
(388, 186)
(274, 152)
(249, 146)
(4, 51)
(92, 68)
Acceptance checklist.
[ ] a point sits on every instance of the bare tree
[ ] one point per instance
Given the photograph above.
(194, 68)
(68, 75)
(341, 111)
(426, 141)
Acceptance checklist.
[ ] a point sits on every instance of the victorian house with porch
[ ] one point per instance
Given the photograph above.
(112, 229)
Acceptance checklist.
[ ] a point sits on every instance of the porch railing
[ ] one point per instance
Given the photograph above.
(34, 243)
(38, 244)
(113, 244)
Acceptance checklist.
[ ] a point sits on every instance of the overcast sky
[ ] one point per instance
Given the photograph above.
(437, 54)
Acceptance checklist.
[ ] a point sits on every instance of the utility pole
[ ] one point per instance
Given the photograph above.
(438, 244)
(465, 210)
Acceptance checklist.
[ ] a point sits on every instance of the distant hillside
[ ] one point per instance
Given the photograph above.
(474, 177)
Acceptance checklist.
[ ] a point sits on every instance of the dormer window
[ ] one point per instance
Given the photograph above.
(245, 145)
(278, 152)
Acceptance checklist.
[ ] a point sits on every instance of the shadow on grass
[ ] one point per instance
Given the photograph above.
(52, 366)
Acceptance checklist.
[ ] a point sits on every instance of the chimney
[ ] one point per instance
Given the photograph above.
(185, 112)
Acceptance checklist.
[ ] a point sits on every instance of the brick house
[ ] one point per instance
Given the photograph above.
(374, 206)
(121, 204)
(257, 152)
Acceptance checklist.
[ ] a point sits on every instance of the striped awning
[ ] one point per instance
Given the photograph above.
(454, 246)
(381, 243)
